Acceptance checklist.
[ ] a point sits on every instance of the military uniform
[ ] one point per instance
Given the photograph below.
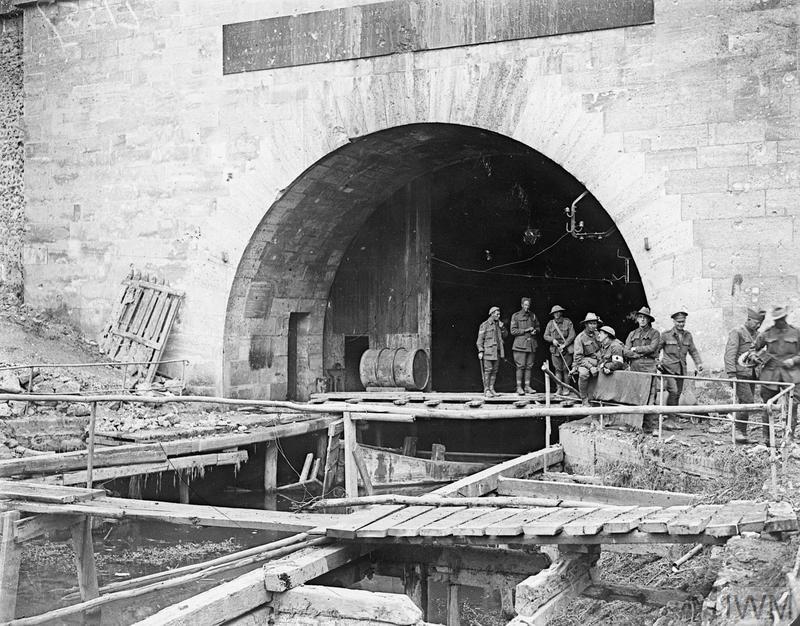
(781, 358)
(524, 327)
(490, 344)
(585, 357)
(611, 356)
(740, 341)
(675, 345)
(560, 332)
(641, 349)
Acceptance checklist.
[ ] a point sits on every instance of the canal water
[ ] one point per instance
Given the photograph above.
(130, 549)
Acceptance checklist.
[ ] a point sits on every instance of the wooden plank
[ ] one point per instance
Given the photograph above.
(754, 517)
(411, 527)
(693, 521)
(47, 493)
(154, 322)
(486, 480)
(654, 596)
(36, 525)
(512, 526)
(331, 459)
(390, 468)
(84, 559)
(380, 528)
(594, 522)
(657, 521)
(601, 494)
(299, 567)
(10, 558)
(346, 527)
(444, 527)
(781, 516)
(218, 605)
(315, 604)
(725, 522)
(350, 469)
(358, 458)
(552, 523)
(163, 335)
(540, 594)
(193, 514)
(139, 469)
(152, 452)
(570, 478)
(626, 522)
(477, 527)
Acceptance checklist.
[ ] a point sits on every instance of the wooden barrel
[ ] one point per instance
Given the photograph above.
(395, 367)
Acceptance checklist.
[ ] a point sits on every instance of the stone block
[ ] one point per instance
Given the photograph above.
(723, 155)
(722, 205)
(763, 153)
(778, 128)
(781, 201)
(738, 132)
(788, 150)
(727, 261)
(764, 176)
(671, 159)
(743, 232)
(697, 181)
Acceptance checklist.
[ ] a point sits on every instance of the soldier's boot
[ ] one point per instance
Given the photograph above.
(528, 388)
(583, 390)
(520, 390)
(486, 391)
(492, 378)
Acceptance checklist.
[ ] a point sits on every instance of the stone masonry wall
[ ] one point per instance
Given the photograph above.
(12, 156)
(139, 151)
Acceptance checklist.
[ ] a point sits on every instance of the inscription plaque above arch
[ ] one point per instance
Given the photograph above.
(398, 26)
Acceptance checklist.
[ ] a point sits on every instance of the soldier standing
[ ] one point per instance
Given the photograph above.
(524, 327)
(781, 358)
(560, 333)
(676, 343)
(740, 341)
(585, 355)
(490, 349)
(641, 350)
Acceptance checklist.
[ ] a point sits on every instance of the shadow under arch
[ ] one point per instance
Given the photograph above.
(282, 287)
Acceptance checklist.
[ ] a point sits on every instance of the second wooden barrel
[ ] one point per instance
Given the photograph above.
(395, 367)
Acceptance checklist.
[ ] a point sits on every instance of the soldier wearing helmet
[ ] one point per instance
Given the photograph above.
(560, 334)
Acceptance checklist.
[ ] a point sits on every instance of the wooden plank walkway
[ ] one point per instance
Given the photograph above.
(454, 524)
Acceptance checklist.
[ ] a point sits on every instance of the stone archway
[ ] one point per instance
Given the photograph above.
(283, 283)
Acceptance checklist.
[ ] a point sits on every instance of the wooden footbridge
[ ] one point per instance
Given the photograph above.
(488, 528)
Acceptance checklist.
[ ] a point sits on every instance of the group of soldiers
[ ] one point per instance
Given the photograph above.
(768, 357)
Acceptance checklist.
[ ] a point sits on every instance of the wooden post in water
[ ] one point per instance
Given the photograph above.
(82, 532)
(453, 611)
(548, 427)
(271, 467)
(183, 487)
(350, 469)
(84, 558)
(10, 556)
(415, 585)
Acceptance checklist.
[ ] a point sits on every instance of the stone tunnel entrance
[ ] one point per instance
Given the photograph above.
(404, 238)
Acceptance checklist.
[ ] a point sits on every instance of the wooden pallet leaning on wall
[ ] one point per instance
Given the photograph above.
(141, 323)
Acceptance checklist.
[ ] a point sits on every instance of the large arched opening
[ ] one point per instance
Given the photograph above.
(405, 237)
